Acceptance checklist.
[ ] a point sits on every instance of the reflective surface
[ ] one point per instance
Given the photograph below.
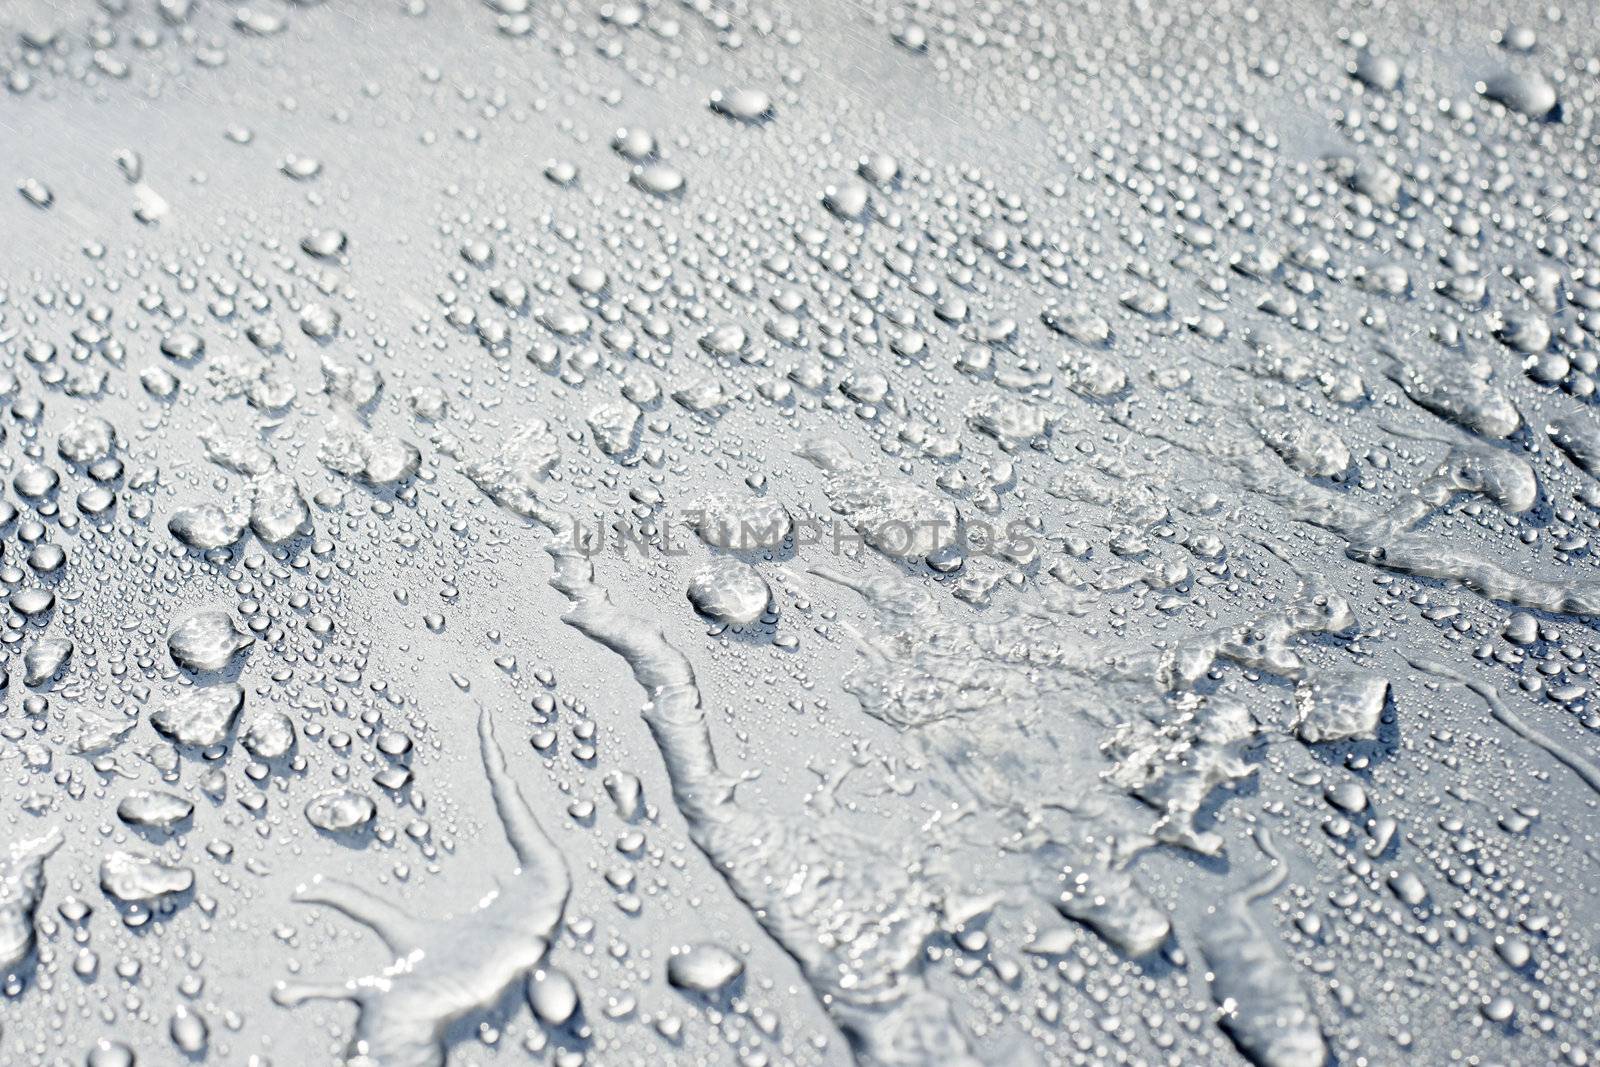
(693, 532)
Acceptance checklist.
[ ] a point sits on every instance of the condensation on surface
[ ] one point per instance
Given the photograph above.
(709, 532)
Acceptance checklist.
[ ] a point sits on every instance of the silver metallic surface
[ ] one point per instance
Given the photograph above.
(696, 531)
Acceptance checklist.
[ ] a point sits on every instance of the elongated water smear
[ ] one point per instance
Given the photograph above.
(1266, 1012)
(448, 969)
(1578, 764)
(1386, 539)
(21, 889)
(852, 917)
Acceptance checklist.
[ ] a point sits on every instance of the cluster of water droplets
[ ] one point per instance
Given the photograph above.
(933, 532)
